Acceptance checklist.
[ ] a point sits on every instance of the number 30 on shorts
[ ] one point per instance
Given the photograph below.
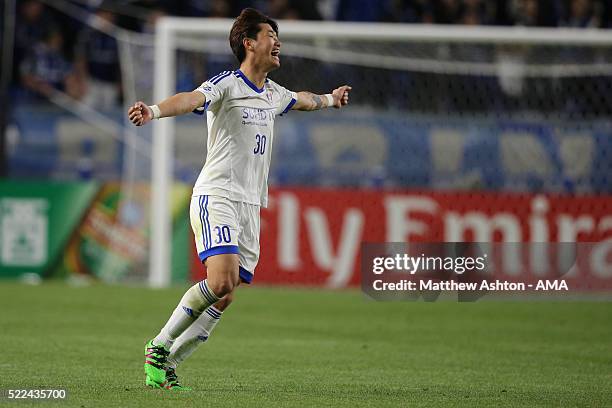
(223, 234)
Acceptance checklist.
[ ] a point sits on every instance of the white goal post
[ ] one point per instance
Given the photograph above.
(173, 33)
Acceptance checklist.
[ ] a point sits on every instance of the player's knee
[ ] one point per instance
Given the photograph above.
(222, 274)
(222, 287)
(222, 283)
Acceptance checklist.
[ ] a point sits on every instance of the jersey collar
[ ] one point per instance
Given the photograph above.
(247, 81)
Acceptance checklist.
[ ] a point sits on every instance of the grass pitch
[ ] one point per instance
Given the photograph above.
(297, 347)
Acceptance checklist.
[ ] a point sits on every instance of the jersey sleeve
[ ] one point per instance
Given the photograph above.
(213, 91)
(287, 100)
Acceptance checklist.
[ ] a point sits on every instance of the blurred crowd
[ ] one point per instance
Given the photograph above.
(57, 52)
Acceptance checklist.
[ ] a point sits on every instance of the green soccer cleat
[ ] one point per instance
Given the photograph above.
(155, 364)
(150, 383)
(172, 382)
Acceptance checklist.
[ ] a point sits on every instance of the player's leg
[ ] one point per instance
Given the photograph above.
(192, 338)
(223, 277)
(198, 333)
(220, 253)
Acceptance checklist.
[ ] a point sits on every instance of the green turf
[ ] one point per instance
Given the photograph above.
(289, 347)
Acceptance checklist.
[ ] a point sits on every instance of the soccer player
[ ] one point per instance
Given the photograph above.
(241, 107)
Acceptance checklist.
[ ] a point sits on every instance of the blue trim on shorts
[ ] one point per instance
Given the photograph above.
(218, 250)
(245, 276)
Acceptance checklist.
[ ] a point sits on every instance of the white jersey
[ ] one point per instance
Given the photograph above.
(240, 120)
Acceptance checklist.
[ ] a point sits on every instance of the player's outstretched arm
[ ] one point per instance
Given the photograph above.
(307, 101)
(179, 104)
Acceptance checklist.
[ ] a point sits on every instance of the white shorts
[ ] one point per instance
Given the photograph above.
(222, 226)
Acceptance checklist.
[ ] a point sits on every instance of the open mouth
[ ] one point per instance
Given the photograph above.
(275, 53)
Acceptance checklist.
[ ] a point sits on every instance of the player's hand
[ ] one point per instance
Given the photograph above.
(140, 113)
(341, 96)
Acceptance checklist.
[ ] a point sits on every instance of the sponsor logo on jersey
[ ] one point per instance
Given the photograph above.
(258, 114)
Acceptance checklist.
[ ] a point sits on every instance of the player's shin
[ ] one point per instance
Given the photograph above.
(195, 335)
(197, 299)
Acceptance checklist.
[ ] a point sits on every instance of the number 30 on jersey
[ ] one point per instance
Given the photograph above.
(260, 147)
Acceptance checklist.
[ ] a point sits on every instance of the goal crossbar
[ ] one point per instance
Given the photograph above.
(405, 32)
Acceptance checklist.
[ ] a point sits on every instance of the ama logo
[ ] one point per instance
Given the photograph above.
(269, 95)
